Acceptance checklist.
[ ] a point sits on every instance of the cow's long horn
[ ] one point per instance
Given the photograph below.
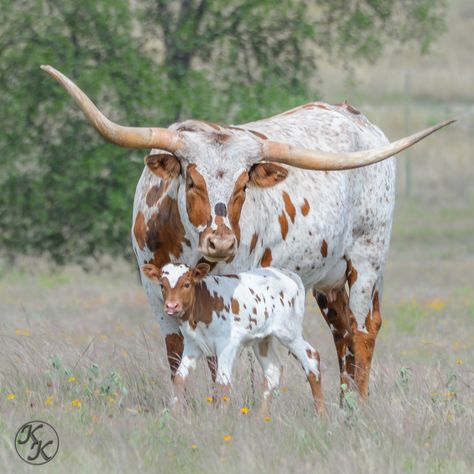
(328, 161)
(130, 137)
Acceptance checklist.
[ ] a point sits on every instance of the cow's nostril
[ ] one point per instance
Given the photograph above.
(212, 246)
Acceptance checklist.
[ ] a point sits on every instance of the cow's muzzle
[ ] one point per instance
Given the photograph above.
(217, 245)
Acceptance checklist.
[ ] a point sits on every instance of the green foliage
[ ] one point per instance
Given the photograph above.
(67, 194)
(407, 316)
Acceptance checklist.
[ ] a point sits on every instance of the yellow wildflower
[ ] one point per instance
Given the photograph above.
(244, 410)
(194, 446)
(23, 332)
(71, 379)
(267, 418)
(76, 403)
(227, 438)
(436, 304)
(225, 398)
(11, 396)
(210, 399)
(459, 361)
(49, 401)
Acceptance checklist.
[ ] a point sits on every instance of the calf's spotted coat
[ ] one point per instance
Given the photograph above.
(218, 315)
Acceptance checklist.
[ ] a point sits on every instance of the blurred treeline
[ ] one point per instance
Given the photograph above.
(67, 194)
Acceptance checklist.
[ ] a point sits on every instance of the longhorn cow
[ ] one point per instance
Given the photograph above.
(293, 191)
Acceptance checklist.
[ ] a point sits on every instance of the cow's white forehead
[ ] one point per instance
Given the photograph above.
(174, 272)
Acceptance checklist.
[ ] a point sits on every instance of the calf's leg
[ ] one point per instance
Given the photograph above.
(272, 368)
(225, 362)
(309, 359)
(191, 354)
(174, 351)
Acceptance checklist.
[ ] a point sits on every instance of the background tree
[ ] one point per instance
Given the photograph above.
(67, 194)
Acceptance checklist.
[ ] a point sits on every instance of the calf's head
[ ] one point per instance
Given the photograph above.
(178, 285)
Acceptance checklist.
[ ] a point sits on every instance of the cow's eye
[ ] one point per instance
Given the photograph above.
(187, 285)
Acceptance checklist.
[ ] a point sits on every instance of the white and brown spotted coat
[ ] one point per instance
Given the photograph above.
(311, 222)
(218, 315)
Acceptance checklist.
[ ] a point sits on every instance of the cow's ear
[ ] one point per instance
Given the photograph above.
(164, 165)
(151, 271)
(201, 270)
(266, 175)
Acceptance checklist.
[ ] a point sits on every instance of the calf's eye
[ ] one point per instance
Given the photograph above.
(186, 285)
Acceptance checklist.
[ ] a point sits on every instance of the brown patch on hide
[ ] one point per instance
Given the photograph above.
(324, 248)
(139, 230)
(165, 234)
(289, 206)
(236, 202)
(197, 197)
(283, 225)
(234, 304)
(305, 207)
(266, 260)
(155, 192)
(253, 242)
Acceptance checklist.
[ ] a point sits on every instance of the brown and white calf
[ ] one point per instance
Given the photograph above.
(218, 315)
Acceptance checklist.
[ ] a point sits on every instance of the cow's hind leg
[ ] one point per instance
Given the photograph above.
(334, 307)
(365, 285)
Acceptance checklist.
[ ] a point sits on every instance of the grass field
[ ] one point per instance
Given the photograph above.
(81, 350)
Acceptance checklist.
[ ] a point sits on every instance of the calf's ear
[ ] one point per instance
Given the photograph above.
(164, 165)
(266, 175)
(151, 271)
(200, 271)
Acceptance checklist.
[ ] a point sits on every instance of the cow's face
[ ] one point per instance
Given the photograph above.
(216, 170)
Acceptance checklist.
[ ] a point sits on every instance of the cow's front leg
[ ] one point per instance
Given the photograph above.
(174, 351)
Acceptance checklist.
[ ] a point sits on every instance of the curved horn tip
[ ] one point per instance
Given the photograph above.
(47, 68)
(446, 122)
